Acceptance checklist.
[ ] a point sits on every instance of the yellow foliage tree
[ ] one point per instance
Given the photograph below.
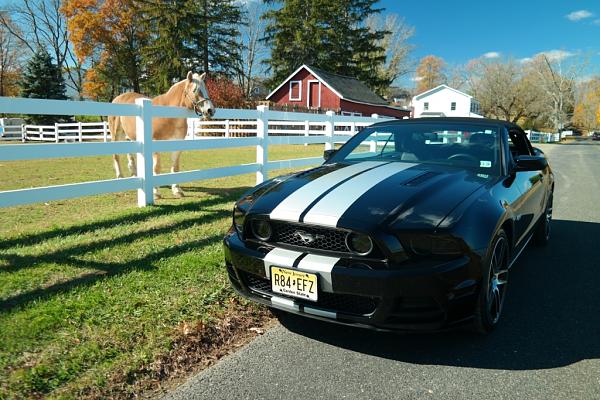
(430, 73)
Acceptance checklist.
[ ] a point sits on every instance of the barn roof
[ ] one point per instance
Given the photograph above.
(345, 87)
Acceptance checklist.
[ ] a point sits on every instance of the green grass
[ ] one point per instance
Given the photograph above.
(94, 287)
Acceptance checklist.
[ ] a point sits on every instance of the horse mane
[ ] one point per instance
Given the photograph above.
(173, 97)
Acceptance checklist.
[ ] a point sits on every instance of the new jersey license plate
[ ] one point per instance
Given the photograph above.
(294, 283)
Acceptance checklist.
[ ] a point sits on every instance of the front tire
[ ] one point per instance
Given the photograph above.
(491, 297)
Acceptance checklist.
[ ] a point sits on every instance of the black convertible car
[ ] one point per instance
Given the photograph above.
(410, 225)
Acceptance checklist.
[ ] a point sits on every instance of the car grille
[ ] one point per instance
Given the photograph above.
(346, 303)
(325, 239)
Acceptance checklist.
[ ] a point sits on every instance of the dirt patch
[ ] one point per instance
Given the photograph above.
(196, 346)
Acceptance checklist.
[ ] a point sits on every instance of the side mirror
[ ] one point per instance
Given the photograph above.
(530, 163)
(327, 154)
(538, 151)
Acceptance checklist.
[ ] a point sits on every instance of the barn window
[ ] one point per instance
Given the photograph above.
(426, 106)
(295, 90)
(453, 106)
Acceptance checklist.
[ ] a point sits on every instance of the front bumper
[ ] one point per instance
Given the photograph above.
(405, 299)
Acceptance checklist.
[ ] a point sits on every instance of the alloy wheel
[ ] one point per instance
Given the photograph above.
(498, 280)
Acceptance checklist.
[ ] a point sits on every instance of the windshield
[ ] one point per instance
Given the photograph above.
(461, 145)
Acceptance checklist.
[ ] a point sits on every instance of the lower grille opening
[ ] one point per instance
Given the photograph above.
(339, 302)
(415, 310)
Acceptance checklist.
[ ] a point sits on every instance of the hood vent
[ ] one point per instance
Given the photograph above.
(419, 179)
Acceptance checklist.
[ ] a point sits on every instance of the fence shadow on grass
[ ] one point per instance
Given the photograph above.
(220, 196)
(74, 256)
(551, 319)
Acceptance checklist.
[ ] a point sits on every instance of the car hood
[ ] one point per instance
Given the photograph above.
(365, 195)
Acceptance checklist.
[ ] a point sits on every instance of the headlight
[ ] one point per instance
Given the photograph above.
(359, 243)
(261, 229)
(238, 219)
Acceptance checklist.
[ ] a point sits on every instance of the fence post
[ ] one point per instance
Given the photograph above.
(306, 130)
(226, 128)
(329, 130)
(373, 144)
(23, 133)
(105, 131)
(80, 131)
(56, 132)
(262, 148)
(143, 135)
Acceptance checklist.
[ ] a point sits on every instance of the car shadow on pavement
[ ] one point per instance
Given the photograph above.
(551, 315)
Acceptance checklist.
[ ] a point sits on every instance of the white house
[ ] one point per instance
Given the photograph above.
(444, 101)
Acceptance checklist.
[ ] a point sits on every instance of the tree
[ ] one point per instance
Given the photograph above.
(558, 85)
(224, 93)
(505, 90)
(107, 35)
(252, 48)
(10, 57)
(188, 34)
(587, 105)
(42, 79)
(430, 73)
(331, 35)
(395, 47)
(40, 24)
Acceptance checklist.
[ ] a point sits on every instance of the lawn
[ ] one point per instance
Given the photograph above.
(94, 290)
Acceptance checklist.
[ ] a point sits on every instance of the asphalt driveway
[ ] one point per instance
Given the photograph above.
(547, 346)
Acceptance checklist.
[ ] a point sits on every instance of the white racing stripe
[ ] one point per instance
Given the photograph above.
(279, 258)
(322, 266)
(294, 205)
(330, 208)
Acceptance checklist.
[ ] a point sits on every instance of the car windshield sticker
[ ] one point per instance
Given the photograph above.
(485, 164)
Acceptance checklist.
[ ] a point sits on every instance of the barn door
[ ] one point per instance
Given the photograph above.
(314, 97)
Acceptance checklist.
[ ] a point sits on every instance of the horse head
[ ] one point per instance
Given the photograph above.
(196, 95)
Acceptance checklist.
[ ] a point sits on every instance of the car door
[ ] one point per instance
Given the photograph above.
(530, 185)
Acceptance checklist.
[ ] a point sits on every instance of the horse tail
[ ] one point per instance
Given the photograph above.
(115, 127)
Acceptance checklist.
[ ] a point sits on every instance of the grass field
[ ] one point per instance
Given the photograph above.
(95, 288)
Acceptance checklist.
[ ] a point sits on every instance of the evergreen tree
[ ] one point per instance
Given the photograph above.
(188, 34)
(42, 79)
(330, 35)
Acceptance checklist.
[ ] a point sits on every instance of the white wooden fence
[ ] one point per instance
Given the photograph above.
(144, 146)
(197, 128)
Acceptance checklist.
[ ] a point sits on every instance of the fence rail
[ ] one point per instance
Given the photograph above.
(326, 129)
(197, 129)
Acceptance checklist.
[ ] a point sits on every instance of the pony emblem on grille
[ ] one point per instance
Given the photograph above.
(308, 237)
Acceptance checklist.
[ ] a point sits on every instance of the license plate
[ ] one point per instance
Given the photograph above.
(294, 283)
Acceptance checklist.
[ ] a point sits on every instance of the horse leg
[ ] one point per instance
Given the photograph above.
(117, 166)
(131, 164)
(177, 192)
(156, 158)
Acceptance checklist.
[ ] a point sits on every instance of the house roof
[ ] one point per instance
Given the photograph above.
(437, 89)
(345, 87)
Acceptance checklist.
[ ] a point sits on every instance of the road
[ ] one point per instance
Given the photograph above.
(547, 346)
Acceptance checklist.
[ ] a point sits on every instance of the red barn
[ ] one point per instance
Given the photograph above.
(313, 88)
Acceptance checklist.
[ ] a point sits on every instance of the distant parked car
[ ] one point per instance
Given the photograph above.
(411, 225)
(596, 136)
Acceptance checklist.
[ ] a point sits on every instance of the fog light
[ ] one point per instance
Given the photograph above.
(359, 243)
(262, 229)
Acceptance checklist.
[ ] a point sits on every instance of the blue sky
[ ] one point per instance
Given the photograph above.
(459, 31)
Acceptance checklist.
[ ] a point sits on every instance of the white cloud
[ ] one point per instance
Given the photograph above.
(579, 15)
(491, 54)
(416, 79)
(556, 55)
(525, 60)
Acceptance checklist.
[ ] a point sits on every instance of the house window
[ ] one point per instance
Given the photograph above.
(295, 90)
(453, 106)
(426, 106)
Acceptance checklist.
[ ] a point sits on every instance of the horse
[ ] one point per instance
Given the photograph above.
(190, 93)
